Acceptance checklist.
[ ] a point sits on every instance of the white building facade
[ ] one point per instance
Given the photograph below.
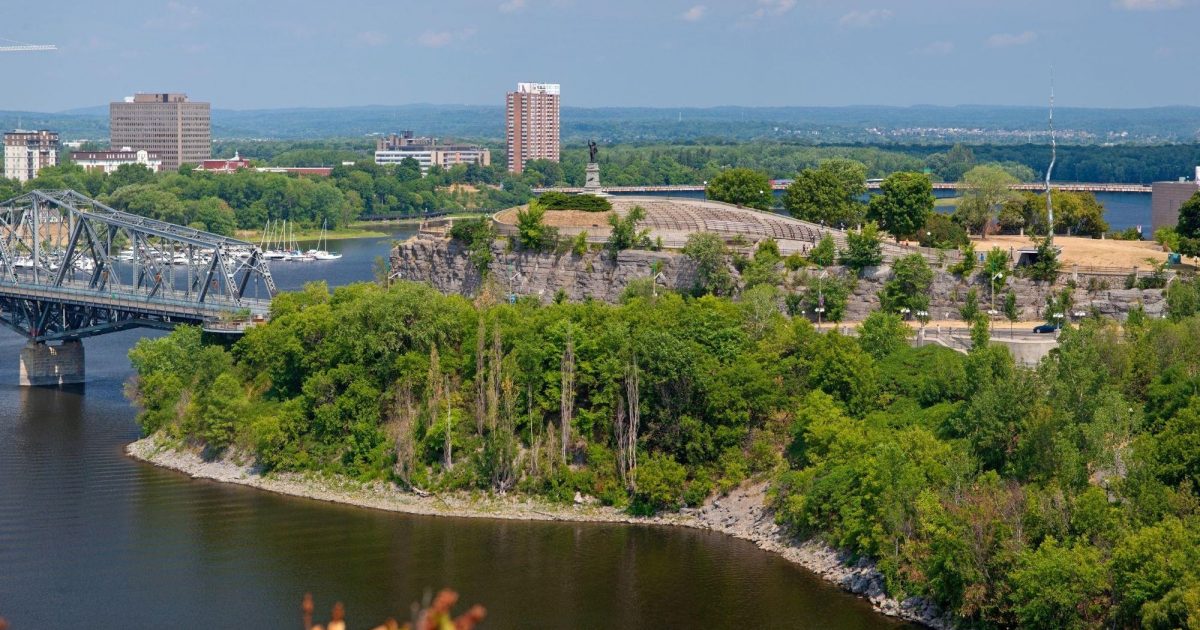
(110, 161)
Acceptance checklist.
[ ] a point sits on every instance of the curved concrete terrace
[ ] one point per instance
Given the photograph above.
(674, 219)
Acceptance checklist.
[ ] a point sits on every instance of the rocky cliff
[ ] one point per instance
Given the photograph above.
(443, 264)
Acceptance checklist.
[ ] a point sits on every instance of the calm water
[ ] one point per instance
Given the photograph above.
(90, 538)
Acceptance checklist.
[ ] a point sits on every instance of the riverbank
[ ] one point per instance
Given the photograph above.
(339, 234)
(418, 220)
(741, 514)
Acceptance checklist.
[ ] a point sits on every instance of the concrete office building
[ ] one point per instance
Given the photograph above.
(1167, 197)
(178, 130)
(27, 152)
(395, 148)
(531, 124)
(109, 161)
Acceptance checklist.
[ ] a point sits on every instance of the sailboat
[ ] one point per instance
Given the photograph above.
(319, 253)
(270, 252)
(292, 251)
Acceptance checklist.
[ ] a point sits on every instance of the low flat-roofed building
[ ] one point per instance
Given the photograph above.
(109, 161)
(395, 148)
(1167, 197)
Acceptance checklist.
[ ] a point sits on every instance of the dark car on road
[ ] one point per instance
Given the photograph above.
(1045, 328)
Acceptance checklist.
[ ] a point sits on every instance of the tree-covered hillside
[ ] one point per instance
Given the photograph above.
(1061, 496)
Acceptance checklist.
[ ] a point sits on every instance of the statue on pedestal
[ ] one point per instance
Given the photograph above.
(592, 173)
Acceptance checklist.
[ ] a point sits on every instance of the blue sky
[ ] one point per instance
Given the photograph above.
(243, 54)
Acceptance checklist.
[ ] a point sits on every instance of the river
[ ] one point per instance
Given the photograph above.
(90, 538)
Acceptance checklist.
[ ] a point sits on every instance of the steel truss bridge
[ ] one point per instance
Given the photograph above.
(71, 267)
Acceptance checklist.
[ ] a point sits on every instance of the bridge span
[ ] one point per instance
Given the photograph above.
(871, 185)
(71, 267)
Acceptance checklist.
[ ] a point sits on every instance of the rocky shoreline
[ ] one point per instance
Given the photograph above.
(741, 514)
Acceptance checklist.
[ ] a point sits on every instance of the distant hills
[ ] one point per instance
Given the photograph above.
(857, 124)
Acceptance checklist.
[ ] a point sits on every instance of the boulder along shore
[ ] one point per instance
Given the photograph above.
(742, 513)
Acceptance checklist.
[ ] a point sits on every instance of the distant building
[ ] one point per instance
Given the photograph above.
(109, 161)
(237, 163)
(395, 148)
(27, 152)
(531, 124)
(1167, 197)
(231, 165)
(169, 125)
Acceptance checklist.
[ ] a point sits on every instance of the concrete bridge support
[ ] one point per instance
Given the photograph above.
(44, 365)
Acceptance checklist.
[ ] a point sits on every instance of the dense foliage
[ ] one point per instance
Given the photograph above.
(1061, 496)
(247, 199)
(742, 187)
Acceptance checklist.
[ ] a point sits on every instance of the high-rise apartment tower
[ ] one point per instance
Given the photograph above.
(27, 152)
(531, 119)
(178, 130)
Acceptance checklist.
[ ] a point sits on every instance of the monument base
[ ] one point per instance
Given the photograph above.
(44, 365)
(591, 182)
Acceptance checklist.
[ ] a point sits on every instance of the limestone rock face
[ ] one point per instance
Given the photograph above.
(444, 265)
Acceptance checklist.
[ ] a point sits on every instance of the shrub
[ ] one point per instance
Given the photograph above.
(660, 484)
(554, 200)
(825, 253)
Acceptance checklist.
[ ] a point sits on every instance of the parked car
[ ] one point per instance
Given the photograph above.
(1045, 328)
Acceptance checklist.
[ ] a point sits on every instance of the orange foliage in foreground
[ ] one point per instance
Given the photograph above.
(436, 617)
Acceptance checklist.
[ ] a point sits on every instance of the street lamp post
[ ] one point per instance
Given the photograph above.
(999, 275)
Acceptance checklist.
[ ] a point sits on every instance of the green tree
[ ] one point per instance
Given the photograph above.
(1011, 313)
(1058, 586)
(828, 194)
(1183, 299)
(624, 234)
(883, 333)
(909, 285)
(863, 248)
(824, 254)
(1188, 225)
(1046, 266)
(532, 232)
(942, 232)
(707, 250)
(904, 205)
(985, 189)
(970, 308)
(742, 187)
(660, 484)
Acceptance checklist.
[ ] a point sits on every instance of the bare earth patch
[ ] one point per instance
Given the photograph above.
(560, 218)
(1087, 252)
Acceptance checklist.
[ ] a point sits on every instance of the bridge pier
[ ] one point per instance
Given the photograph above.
(44, 365)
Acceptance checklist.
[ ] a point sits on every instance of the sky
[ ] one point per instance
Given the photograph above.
(251, 54)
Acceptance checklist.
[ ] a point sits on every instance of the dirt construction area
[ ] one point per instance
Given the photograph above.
(1085, 252)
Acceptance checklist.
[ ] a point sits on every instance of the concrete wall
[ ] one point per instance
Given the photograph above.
(46, 365)
(1165, 199)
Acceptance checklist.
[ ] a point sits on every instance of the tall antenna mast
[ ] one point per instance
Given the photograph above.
(1053, 158)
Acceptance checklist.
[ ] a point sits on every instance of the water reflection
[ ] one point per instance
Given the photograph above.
(89, 538)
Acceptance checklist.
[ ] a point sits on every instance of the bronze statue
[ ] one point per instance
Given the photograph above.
(591, 151)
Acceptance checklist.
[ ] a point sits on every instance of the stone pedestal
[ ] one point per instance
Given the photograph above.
(591, 184)
(44, 365)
